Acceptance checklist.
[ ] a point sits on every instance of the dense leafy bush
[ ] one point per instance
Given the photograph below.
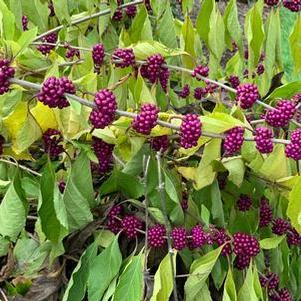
(145, 157)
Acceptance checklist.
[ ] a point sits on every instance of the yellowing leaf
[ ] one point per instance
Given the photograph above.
(294, 205)
(44, 116)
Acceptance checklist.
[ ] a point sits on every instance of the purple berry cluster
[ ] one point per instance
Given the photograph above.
(24, 23)
(104, 154)
(244, 203)
(114, 219)
(292, 5)
(282, 114)
(50, 38)
(104, 113)
(269, 281)
(6, 72)
(200, 70)
(271, 2)
(247, 94)
(62, 186)
(265, 213)
(221, 237)
(184, 93)
(123, 57)
(131, 11)
(199, 93)
(190, 131)
(130, 225)
(117, 16)
(160, 143)
(260, 69)
(72, 52)
(198, 237)
(179, 238)
(156, 236)
(281, 295)
(234, 81)
(53, 90)
(263, 139)
(52, 142)
(280, 226)
(234, 140)
(293, 149)
(146, 120)
(98, 55)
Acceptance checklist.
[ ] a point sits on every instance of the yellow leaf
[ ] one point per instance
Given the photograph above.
(44, 116)
(187, 172)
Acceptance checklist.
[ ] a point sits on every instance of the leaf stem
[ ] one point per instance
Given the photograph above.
(21, 167)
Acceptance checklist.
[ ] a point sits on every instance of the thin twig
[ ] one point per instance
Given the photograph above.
(167, 223)
(3, 295)
(21, 167)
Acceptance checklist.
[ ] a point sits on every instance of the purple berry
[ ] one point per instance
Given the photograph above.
(234, 81)
(293, 237)
(234, 140)
(185, 92)
(6, 72)
(62, 186)
(221, 237)
(200, 70)
(244, 203)
(245, 244)
(71, 52)
(210, 87)
(146, 120)
(147, 5)
(113, 223)
(281, 295)
(198, 236)
(260, 69)
(160, 143)
(153, 67)
(179, 238)
(50, 38)
(292, 5)
(117, 16)
(269, 281)
(131, 11)
(246, 54)
(281, 115)
(52, 140)
(104, 153)
(265, 213)
(105, 101)
(296, 137)
(293, 150)
(100, 120)
(246, 96)
(263, 139)
(190, 131)
(24, 23)
(199, 93)
(242, 261)
(280, 226)
(156, 236)
(126, 56)
(163, 78)
(130, 224)
(98, 54)
(184, 204)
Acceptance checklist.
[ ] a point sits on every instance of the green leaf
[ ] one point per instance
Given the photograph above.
(26, 38)
(229, 288)
(130, 282)
(163, 284)
(158, 6)
(77, 285)
(78, 194)
(286, 91)
(7, 22)
(247, 291)
(4, 246)
(188, 39)
(295, 44)
(217, 210)
(13, 210)
(61, 10)
(236, 168)
(51, 212)
(103, 270)
(294, 205)
(199, 272)
(142, 93)
(271, 242)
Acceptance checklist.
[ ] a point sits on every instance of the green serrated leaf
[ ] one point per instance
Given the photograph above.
(271, 242)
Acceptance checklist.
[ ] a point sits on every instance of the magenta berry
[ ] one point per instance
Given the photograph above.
(131, 11)
(269, 281)
(198, 236)
(263, 139)
(147, 5)
(244, 203)
(221, 237)
(265, 213)
(6, 72)
(184, 204)
(293, 237)
(234, 140)
(100, 120)
(281, 295)
(292, 5)
(160, 143)
(113, 222)
(163, 78)
(50, 38)
(98, 54)
(126, 57)
(245, 244)
(52, 140)
(293, 150)
(281, 115)
(71, 53)
(199, 93)
(280, 226)
(104, 153)
(234, 81)
(185, 92)
(67, 85)
(190, 130)
(24, 23)
(179, 238)
(117, 16)
(154, 64)
(105, 101)
(246, 96)
(200, 70)
(242, 261)
(260, 69)
(130, 224)
(146, 119)
(296, 136)
(62, 186)
(156, 236)
(211, 88)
